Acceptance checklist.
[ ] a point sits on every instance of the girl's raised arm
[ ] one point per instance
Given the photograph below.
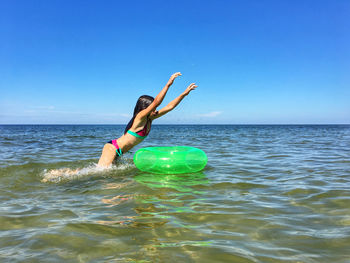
(159, 98)
(175, 102)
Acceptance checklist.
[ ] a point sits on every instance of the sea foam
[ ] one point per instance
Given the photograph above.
(68, 174)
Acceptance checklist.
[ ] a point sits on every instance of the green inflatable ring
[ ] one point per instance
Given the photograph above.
(170, 160)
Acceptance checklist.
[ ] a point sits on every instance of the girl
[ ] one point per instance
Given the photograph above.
(140, 124)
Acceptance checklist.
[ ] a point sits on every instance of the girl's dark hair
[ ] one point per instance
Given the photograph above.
(142, 103)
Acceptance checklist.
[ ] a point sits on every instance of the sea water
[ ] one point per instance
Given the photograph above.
(268, 194)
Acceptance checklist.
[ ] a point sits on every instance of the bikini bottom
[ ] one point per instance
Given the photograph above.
(119, 150)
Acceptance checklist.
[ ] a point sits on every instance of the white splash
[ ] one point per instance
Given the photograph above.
(68, 174)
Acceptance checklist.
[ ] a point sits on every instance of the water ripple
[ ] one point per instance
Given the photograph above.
(268, 194)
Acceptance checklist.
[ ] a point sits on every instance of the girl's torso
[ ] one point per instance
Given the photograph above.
(136, 134)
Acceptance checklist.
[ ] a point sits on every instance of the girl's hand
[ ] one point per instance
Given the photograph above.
(172, 78)
(191, 87)
(175, 75)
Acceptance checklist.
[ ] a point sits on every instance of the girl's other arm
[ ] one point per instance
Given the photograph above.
(175, 102)
(159, 98)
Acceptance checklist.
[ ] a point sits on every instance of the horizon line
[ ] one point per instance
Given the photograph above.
(178, 124)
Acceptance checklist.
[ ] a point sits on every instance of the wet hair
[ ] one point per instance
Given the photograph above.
(142, 103)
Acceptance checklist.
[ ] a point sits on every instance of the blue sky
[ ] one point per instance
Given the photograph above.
(255, 62)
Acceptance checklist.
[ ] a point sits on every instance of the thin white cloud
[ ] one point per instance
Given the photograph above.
(126, 115)
(112, 115)
(40, 110)
(43, 107)
(210, 114)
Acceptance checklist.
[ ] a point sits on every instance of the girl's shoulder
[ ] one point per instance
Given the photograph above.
(140, 123)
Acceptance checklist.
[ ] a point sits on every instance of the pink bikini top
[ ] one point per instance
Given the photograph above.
(143, 133)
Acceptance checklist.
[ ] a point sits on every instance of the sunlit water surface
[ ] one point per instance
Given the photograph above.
(268, 194)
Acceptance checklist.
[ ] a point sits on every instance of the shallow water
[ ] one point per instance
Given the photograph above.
(268, 194)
